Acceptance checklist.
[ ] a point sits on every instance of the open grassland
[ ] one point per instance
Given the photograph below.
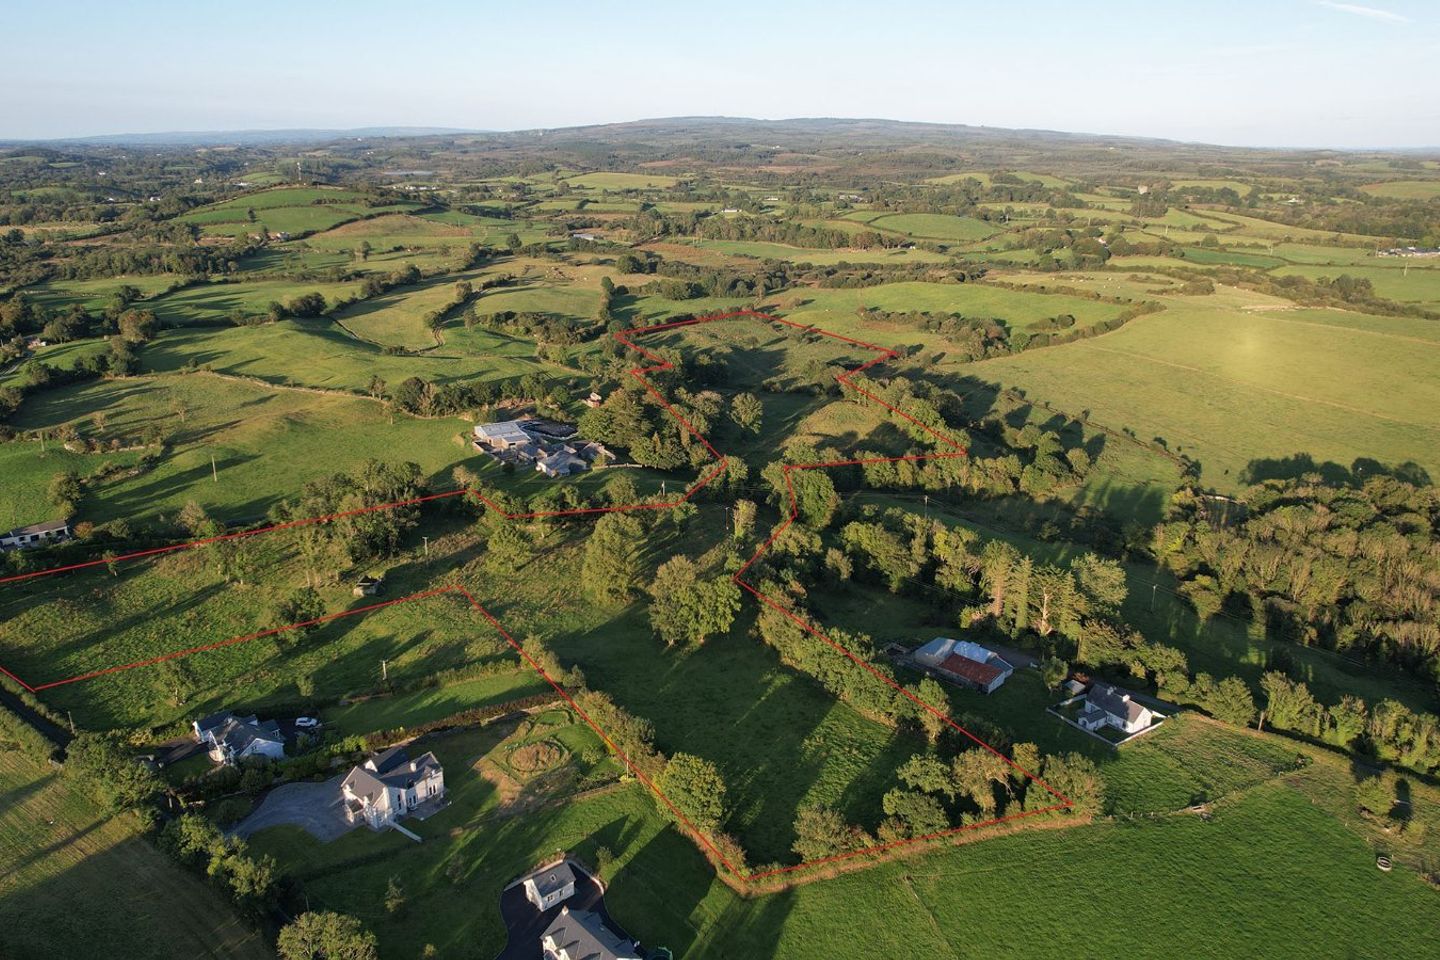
(212, 303)
(264, 443)
(397, 318)
(318, 353)
(779, 251)
(434, 703)
(835, 310)
(95, 620)
(622, 181)
(286, 210)
(59, 355)
(78, 882)
(402, 228)
(1229, 380)
(935, 226)
(94, 295)
(1420, 284)
(1404, 189)
(28, 468)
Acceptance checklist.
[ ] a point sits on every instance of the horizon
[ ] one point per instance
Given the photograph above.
(440, 130)
(1295, 77)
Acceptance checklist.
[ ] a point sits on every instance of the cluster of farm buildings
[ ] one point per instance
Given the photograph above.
(547, 446)
(1095, 707)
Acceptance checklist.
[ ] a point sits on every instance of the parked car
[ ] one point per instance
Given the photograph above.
(306, 723)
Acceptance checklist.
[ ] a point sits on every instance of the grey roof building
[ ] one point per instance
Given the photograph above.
(550, 885)
(389, 785)
(1109, 705)
(232, 738)
(582, 935)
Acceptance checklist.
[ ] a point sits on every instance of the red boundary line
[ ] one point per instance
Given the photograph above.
(639, 373)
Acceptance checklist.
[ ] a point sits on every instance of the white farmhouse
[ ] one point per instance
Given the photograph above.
(1109, 705)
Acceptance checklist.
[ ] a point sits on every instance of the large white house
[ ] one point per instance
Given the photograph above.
(35, 535)
(231, 738)
(1109, 705)
(389, 785)
(582, 935)
(966, 662)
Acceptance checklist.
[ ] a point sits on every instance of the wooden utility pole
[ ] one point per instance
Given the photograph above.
(384, 672)
(214, 471)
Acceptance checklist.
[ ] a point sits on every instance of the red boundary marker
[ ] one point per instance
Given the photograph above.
(624, 336)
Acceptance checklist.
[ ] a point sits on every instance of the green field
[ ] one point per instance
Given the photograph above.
(1404, 189)
(622, 181)
(410, 709)
(95, 295)
(320, 354)
(264, 442)
(779, 251)
(934, 226)
(1216, 380)
(286, 210)
(213, 302)
(179, 601)
(834, 310)
(78, 882)
(1420, 284)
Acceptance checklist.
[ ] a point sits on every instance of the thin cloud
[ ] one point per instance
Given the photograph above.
(1368, 12)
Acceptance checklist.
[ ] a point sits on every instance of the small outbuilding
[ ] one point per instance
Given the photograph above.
(550, 885)
(368, 586)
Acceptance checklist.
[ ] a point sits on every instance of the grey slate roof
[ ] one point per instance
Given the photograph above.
(392, 768)
(554, 878)
(238, 733)
(584, 936)
(1114, 701)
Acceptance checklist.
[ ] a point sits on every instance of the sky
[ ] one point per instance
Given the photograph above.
(1294, 73)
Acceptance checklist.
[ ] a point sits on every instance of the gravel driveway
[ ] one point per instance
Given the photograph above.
(316, 807)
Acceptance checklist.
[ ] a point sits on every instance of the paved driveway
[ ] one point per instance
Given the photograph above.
(316, 807)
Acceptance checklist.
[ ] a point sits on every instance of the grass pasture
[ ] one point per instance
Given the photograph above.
(76, 882)
(320, 354)
(265, 443)
(1215, 376)
(779, 251)
(622, 181)
(94, 295)
(286, 210)
(96, 620)
(935, 226)
(213, 302)
(1404, 189)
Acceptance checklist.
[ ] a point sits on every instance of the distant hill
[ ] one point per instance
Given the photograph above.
(247, 138)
